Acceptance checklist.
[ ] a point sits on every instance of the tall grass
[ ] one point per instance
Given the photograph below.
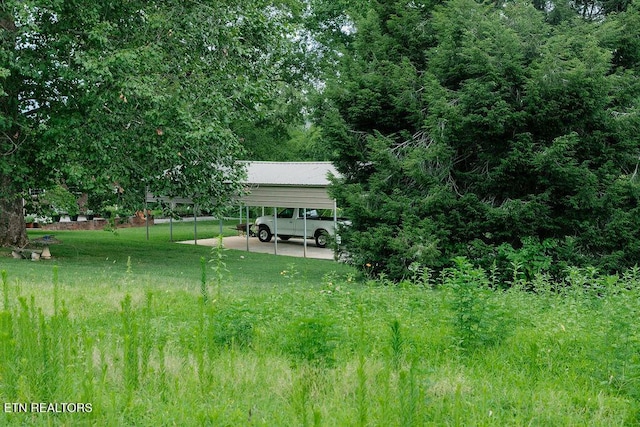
(313, 346)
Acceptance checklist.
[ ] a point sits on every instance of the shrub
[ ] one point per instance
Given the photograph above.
(475, 319)
(233, 325)
(312, 340)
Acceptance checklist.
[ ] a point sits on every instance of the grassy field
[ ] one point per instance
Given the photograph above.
(157, 333)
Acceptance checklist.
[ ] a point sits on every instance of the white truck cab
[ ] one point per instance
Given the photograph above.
(320, 224)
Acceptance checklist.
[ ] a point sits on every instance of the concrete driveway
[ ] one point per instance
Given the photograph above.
(293, 247)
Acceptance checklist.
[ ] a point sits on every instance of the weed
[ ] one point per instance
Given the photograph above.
(396, 345)
(542, 285)
(162, 369)
(362, 395)
(56, 290)
(146, 338)
(301, 398)
(632, 277)
(330, 284)
(130, 340)
(233, 325)
(368, 355)
(409, 395)
(534, 257)
(421, 275)
(291, 274)
(7, 345)
(312, 340)
(204, 320)
(5, 290)
(219, 265)
(203, 281)
(475, 322)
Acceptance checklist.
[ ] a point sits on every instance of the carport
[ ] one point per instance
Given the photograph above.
(272, 185)
(288, 184)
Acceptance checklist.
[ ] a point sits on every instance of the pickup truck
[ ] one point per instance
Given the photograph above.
(291, 224)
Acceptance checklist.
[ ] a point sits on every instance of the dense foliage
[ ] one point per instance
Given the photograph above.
(501, 133)
(109, 98)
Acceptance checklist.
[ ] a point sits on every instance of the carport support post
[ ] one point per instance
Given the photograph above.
(173, 206)
(275, 229)
(304, 213)
(146, 208)
(247, 230)
(335, 223)
(195, 224)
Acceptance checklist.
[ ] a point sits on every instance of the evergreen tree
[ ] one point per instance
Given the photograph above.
(492, 128)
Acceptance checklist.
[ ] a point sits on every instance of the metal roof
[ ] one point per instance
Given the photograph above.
(299, 174)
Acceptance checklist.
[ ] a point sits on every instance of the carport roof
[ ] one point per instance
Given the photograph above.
(295, 174)
(288, 184)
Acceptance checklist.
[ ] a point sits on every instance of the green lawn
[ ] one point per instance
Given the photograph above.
(133, 328)
(103, 256)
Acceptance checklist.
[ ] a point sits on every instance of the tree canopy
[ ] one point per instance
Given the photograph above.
(481, 130)
(129, 95)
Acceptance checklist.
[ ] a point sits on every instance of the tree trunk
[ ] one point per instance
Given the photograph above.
(13, 230)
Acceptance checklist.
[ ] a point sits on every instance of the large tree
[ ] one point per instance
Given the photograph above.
(133, 94)
(466, 129)
(11, 137)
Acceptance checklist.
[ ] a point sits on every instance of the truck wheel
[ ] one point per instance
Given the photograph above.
(264, 234)
(322, 237)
